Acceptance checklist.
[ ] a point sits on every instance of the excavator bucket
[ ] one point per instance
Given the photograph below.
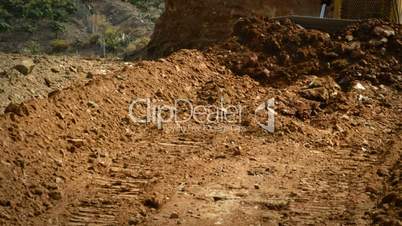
(343, 13)
(329, 25)
(390, 10)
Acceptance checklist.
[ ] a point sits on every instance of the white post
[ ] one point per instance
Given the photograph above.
(323, 9)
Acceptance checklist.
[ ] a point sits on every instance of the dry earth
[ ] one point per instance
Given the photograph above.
(76, 157)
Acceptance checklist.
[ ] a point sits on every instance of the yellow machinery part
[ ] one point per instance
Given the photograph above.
(338, 9)
(364, 9)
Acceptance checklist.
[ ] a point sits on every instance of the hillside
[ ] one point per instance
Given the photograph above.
(120, 26)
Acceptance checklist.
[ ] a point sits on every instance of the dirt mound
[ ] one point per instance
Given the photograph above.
(77, 158)
(278, 53)
(197, 24)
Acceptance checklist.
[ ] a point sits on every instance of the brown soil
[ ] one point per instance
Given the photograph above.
(75, 158)
(278, 53)
(197, 24)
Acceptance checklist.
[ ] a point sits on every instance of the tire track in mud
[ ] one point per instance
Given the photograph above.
(125, 184)
(333, 191)
(102, 198)
(111, 192)
(296, 187)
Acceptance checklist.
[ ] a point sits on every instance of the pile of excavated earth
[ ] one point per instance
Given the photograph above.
(279, 53)
(77, 157)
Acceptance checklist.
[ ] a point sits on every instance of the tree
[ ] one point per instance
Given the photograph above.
(30, 12)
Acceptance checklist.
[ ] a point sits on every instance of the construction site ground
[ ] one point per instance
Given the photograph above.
(72, 155)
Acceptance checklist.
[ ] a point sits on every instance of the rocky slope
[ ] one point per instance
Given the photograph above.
(92, 18)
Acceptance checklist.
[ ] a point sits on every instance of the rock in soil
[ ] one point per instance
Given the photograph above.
(25, 66)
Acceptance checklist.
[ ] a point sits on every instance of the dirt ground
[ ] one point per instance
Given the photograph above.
(77, 158)
(49, 74)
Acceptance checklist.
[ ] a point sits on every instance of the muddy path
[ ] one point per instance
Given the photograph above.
(76, 158)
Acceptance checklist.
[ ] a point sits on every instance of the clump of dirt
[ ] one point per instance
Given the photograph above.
(281, 52)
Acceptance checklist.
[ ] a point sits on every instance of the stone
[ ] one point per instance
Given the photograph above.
(76, 142)
(374, 42)
(25, 67)
(3, 74)
(372, 189)
(5, 203)
(90, 75)
(276, 204)
(384, 40)
(18, 109)
(382, 172)
(133, 221)
(331, 54)
(357, 54)
(237, 151)
(317, 94)
(389, 198)
(315, 83)
(55, 70)
(174, 216)
(37, 191)
(56, 195)
(51, 186)
(153, 202)
(384, 31)
(340, 63)
(60, 115)
(92, 104)
(73, 69)
(353, 46)
(349, 38)
(364, 99)
(59, 180)
(359, 86)
(59, 162)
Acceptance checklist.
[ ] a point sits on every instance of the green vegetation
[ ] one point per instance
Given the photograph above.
(59, 45)
(114, 39)
(28, 13)
(151, 9)
(32, 47)
(139, 3)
